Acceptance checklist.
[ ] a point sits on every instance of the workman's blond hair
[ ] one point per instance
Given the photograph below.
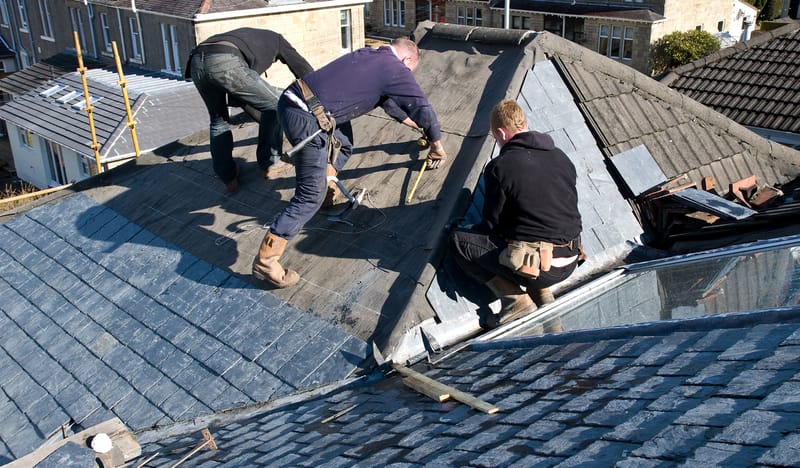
(407, 45)
(508, 115)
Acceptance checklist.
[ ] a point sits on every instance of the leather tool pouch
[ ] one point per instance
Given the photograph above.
(527, 258)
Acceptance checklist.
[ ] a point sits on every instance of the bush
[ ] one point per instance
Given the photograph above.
(679, 48)
(772, 9)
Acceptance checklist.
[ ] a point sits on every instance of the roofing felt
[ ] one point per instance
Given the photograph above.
(369, 279)
(103, 318)
(756, 83)
(159, 103)
(718, 391)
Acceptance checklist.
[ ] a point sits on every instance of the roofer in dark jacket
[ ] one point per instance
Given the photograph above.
(529, 234)
(329, 99)
(230, 65)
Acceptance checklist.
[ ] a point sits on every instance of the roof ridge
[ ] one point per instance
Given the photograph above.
(663, 92)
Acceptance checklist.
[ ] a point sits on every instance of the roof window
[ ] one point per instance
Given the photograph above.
(52, 90)
(81, 105)
(67, 97)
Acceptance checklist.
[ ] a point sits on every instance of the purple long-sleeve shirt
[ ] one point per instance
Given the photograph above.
(360, 81)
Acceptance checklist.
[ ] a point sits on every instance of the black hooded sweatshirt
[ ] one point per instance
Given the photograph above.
(530, 192)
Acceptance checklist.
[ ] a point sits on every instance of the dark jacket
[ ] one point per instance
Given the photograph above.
(360, 81)
(260, 48)
(530, 192)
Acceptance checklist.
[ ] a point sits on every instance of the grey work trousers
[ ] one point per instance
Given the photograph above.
(217, 75)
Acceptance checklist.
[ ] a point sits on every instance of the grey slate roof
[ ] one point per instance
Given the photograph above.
(185, 8)
(366, 281)
(103, 318)
(755, 83)
(161, 106)
(719, 391)
(22, 81)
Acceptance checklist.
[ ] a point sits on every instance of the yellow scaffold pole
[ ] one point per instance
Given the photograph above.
(89, 106)
(123, 83)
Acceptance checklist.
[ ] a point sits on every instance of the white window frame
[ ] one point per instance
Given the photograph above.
(106, 29)
(23, 16)
(47, 20)
(88, 166)
(136, 45)
(55, 161)
(346, 31)
(5, 20)
(25, 137)
(627, 43)
(394, 13)
(461, 15)
(169, 37)
(616, 42)
(76, 20)
(478, 16)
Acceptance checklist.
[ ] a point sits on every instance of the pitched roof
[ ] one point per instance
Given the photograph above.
(716, 390)
(159, 104)
(103, 318)
(186, 8)
(362, 282)
(23, 81)
(756, 83)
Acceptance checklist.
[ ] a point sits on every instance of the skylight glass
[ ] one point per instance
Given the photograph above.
(68, 97)
(52, 90)
(81, 105)
(760, 277)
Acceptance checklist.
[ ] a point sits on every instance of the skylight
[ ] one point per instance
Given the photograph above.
(81, 105)
(52, 90)
(67, 97)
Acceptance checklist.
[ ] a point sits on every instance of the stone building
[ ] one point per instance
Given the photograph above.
(621, 29)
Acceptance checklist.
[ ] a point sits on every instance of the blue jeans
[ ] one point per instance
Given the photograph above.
(217, 75)
(309, 164)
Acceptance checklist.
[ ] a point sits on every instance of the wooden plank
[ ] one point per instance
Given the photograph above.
(434, 392)
(438, 388)
(122, 439)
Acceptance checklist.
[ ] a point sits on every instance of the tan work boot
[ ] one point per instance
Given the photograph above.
(279, 167)
(514, 303)
(541, 296)
(266, 266)
(334, 195)
(233, 185)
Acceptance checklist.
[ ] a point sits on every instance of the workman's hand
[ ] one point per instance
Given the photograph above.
(436, 156)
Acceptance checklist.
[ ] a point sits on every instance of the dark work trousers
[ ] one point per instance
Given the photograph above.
(479, 256)
(218, 74)
(309, 164)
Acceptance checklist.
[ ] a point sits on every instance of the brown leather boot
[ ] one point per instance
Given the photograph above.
(542, 296)
(514, 303)
(334, 195)
(266, 266)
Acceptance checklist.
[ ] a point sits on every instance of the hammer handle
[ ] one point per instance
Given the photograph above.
(416, 182)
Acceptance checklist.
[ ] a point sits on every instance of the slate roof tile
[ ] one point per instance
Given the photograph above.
(727, 78)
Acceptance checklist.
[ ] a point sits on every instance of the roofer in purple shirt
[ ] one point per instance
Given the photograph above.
(329, 99)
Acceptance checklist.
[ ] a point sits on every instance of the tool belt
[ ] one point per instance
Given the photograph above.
(531, 258)
(324, 119)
